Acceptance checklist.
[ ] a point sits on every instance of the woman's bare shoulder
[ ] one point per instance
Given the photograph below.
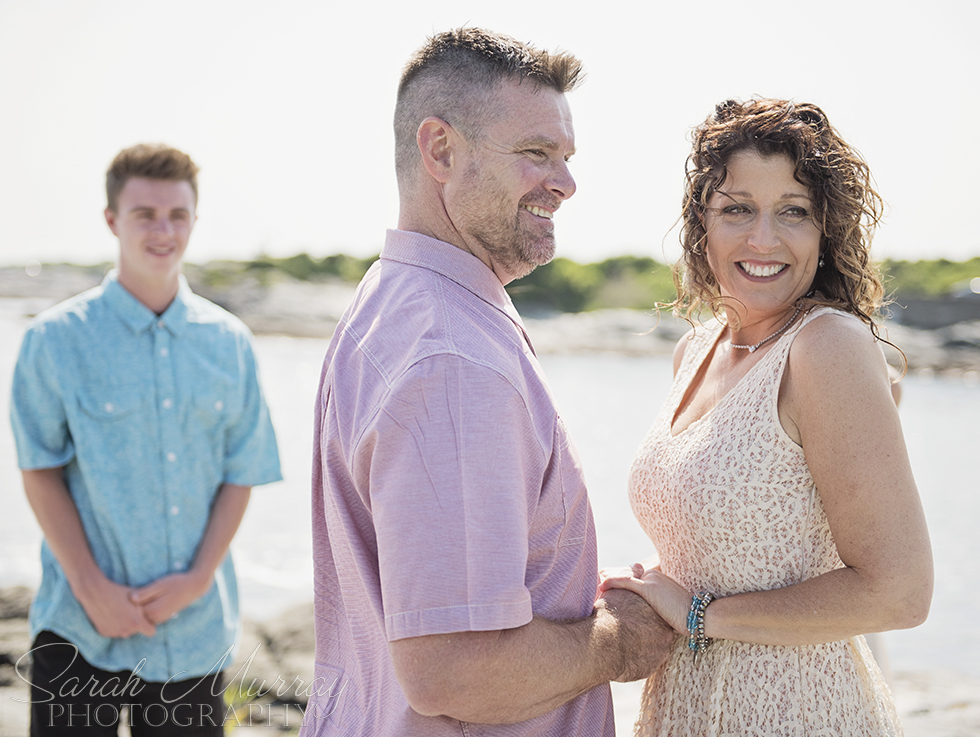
(681, 347)
(836, 356)
(835, 339)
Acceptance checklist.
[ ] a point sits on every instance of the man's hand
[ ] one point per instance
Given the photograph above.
(644, 638)
(166, 596)
(111, 611)
(667, 597)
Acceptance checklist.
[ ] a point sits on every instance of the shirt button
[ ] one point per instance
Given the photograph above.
(175, 510)
(171, 456)
(180, 565)
(164, 352)
(160, 323)
(219, 405)
(110, 407)
(167, 404)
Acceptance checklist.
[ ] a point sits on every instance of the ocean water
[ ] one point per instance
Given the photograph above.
(608, 403)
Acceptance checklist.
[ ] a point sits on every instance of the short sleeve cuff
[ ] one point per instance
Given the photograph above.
(36, 459)
(464, 618)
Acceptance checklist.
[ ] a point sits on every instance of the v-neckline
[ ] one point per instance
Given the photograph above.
(702, 365)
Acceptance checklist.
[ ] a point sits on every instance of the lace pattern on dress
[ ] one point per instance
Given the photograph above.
(731, 507)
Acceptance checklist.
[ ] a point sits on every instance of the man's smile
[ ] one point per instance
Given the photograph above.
(539, 211)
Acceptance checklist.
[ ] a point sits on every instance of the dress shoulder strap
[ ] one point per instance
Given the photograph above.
(820, 311)
(700, 343)
(780, 352)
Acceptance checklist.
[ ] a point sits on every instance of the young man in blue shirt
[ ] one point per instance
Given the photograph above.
(140, 430)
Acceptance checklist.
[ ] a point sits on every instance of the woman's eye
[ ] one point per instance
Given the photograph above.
(736, 212)
(795, 214)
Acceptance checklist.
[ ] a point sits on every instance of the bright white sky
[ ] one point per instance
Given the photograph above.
(287, 108)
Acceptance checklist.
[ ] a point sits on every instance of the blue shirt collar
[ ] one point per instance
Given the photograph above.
(137, 316)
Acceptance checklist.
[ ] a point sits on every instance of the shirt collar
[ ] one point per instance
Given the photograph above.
(453, 263)
(137, 316)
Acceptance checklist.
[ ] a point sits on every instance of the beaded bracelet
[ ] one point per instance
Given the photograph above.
(697, 642)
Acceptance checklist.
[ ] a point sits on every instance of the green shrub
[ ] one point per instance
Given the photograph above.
(928, 278)
(305, 268)
(635, 282)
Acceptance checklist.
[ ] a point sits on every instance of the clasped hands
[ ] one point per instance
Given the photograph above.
(668, 598)
(120, 611)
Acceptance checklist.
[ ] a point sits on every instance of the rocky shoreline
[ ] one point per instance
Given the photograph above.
(276, 304)
(273, 675)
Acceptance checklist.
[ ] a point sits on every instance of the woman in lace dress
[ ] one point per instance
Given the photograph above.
(775, 483)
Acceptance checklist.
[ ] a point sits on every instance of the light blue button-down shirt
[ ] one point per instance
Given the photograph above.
(149, 415)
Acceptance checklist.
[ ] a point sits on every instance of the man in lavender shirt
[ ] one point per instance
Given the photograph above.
(454, 546)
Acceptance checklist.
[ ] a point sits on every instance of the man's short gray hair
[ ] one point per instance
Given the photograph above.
(454, 76)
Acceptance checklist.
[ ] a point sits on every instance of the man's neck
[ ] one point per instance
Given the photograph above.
(155, 295)
(442, 229)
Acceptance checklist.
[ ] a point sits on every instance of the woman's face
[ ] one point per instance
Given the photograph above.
(762, 243)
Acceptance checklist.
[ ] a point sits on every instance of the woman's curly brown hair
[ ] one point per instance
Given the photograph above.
(846, 208)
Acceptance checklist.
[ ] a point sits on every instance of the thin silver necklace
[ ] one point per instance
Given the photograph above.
(753, 348)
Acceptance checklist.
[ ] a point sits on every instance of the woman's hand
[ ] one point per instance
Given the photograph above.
(668, 598)
(634, 571)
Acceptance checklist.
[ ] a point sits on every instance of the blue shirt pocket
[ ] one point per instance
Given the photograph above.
(108, 406)
(116, 469)
(112, 422)
(216, 406)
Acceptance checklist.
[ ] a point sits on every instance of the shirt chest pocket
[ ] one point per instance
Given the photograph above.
(109, 421)
(109, 406)
(215, 406)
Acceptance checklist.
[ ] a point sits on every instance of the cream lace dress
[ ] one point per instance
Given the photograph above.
(730, 506)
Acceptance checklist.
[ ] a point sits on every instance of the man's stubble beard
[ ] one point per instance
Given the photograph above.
(511, 245)
(519, 254)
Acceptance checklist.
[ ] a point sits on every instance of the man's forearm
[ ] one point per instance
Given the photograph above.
(163, 598)
(517, 674)
(226, 516)
(105, 602)
(58, 517)
(511, 675)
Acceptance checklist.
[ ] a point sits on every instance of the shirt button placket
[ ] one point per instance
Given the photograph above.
(169, 433)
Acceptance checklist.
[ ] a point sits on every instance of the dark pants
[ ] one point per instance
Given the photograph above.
(72, 697)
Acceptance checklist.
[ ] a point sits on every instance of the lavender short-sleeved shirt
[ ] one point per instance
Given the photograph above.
(446, 494)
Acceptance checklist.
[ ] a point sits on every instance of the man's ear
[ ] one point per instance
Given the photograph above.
(110, 220)
(436, 140)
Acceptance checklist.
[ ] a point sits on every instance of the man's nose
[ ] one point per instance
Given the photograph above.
(163, 225)
(562, 183)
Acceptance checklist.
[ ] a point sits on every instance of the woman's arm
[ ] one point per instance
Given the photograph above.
(836, 401)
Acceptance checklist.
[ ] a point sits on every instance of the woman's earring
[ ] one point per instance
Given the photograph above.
(820, 263)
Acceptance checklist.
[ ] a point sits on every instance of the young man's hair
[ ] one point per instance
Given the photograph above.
(148, 161)
(454, 76)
